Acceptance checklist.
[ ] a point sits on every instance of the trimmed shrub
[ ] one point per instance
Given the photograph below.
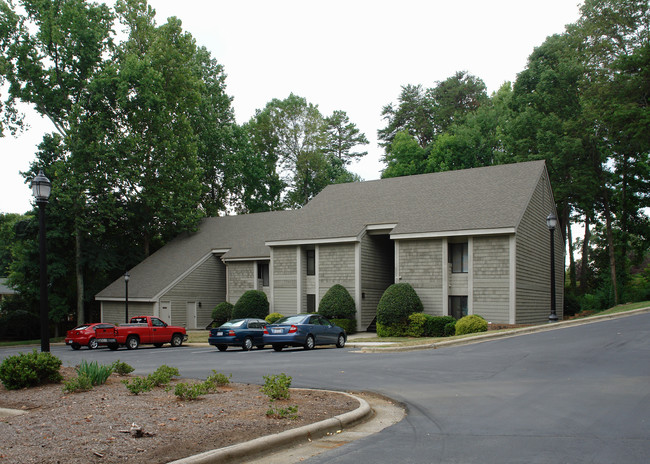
(450, 329)
(222, 313)
(435, 326)
(29, 370)
(471, 324)
(417, 324)
(349, 325)
(271, 318)
(397, 303)
(399, 330)
(337, 303)
(253, 303)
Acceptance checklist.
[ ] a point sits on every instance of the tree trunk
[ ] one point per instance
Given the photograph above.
(610, 245)
(78, 268)
(572, 262)
(585, 256)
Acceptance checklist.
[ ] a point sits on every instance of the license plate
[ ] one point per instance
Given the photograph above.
(277, 331)
(219, 334)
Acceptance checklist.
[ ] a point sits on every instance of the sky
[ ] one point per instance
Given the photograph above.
(350, 55)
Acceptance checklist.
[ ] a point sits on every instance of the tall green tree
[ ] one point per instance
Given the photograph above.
(343, 137)
(294, 135)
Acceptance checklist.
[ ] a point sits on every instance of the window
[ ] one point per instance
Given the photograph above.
(311, 303)
(458, 306)
(263, 273)
(458, 257)
(311, 262)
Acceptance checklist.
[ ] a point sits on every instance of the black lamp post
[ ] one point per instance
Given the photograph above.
(126, 300)
(41, 188)
(551, 222)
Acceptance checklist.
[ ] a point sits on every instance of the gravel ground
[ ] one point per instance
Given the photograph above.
(95, 426)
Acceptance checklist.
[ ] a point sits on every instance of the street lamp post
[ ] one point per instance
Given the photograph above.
(41, 189)
(126, 299)
(551, 222)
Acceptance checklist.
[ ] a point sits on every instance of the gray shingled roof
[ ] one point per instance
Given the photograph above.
(482, 198)
(243, 236)
(492, 197)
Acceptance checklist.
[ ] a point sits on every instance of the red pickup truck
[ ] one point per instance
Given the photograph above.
(141, 329)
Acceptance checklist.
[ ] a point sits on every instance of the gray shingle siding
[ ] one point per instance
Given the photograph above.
(533, 259)
(420, 264)
(491, 278)
(377, 274)
(240, 279)
(285, 284)
(205, 284)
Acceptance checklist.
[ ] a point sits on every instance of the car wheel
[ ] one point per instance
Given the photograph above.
(309, 343)
(132, 342)
(158, 345)
(248, 344)
(113, 346)
(75, 346)
(340, 343)
(92, 344)
(177, 340)
(222, 347)
(260, 347)
(277, 347)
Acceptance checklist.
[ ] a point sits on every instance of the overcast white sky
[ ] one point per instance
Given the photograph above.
(350, 55)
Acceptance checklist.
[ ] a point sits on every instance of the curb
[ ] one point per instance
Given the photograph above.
(288, 437)
(500, 334)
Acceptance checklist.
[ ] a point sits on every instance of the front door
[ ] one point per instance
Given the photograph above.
(166, 311)
(191, 315)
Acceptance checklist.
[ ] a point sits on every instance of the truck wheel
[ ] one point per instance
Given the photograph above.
(177, 340)
(92, 344)
(248, 344)
(132, 342)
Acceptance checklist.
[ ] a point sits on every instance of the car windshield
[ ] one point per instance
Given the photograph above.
(235, 323)
(291, 320)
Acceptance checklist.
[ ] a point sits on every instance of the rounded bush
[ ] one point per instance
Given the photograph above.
(417, 324)
(222, 313)
(450, 329)
(435, 326)
(271, 318)
(471, 324)
(29, 370)
(399, 330)
(253, 303)
(337, 303)
(397, 303)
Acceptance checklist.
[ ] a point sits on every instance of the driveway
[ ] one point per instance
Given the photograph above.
(578, 394)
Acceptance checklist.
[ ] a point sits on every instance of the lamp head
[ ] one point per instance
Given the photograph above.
(41, 187)
(551, 221)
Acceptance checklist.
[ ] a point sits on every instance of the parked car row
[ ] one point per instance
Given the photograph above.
(302, 330)
(305, 330)
(140, 329)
